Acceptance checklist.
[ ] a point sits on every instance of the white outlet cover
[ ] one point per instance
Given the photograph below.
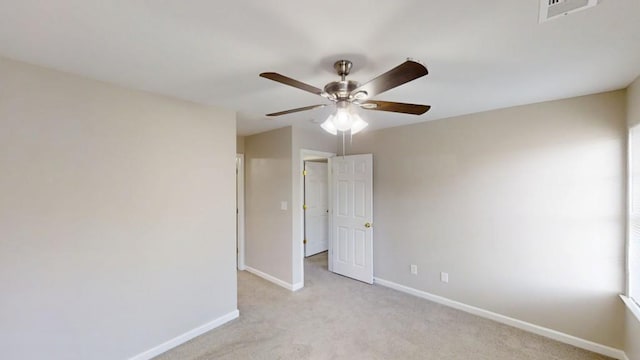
(283, 205)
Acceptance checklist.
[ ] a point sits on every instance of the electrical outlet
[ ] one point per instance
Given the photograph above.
(444, 277)
(414, 269)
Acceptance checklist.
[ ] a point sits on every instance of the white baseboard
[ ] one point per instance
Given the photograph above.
(275, 280)
(632, 306)
(181, 339)
(539, 330)
(297, 286)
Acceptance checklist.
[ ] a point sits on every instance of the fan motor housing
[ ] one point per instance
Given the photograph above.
(341, 89)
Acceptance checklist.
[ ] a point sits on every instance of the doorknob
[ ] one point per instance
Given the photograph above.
(368, 225)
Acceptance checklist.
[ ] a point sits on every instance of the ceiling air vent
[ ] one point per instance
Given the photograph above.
(551, 9)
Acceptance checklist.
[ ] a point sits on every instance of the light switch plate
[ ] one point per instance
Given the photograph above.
(414, 269)
(444, 277)
(283, 205)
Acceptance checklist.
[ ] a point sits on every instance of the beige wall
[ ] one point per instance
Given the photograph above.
(523, 207)
(267, 184)
(116, 217)
(316, 140)
(240, 144)
(632, 345)
(273, 175)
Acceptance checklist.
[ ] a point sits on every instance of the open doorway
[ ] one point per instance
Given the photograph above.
(315, 219)
(316, 207)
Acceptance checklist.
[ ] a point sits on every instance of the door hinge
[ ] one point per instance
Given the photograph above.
(304, 241)
(304, 172)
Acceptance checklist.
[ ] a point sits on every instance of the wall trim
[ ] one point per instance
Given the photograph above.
(632, 306)
(181, 339)
(522, 325)
(274, 279)
(297, 286)
(240, 207)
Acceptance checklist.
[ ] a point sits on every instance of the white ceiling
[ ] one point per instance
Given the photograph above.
(481, 55)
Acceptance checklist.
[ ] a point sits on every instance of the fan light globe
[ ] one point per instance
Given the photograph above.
(342, 118)
(328, 126)
(358, 124)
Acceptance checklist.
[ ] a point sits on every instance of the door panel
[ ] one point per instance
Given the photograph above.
(360, 199)
(342, 200)
(360, 244)
(352, 247)
(343, 245)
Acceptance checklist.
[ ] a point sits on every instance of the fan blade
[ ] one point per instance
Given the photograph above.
(401, 74)
(291, 82)
(298, 109)
(413, 109)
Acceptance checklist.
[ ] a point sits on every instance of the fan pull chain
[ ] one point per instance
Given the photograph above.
(343, 145)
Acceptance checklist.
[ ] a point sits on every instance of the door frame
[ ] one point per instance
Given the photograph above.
(240, 210)
(306, 154)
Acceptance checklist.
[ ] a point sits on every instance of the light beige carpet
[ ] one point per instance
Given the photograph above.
(338, 318)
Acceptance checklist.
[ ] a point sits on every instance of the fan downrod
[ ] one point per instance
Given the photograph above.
(343, 67)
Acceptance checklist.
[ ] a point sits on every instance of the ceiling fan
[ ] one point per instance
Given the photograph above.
(348, 96)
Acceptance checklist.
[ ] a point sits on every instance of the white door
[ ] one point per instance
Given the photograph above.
(352, 216)
(316, 215)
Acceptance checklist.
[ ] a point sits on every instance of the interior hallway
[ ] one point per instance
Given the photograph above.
(333, 317)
